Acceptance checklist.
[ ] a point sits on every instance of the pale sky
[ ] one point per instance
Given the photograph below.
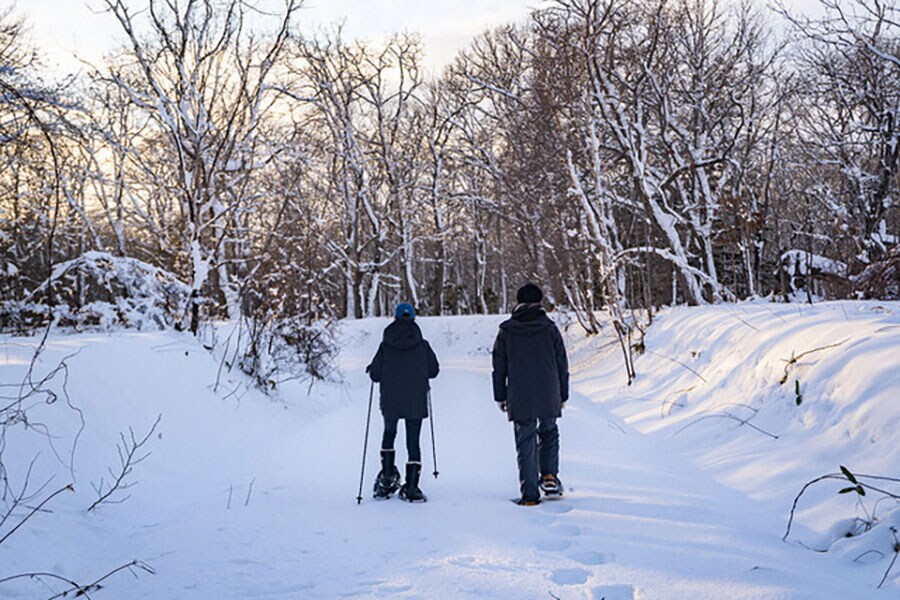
(63, 29)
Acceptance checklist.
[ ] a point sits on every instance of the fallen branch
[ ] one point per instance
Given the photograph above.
(678, 362)
(728, 415)
(896, 549)
(70, 488)
(249, 491)
(127, 452)
(855, 479)
(673, 403)
(76, 590)
(794, 359)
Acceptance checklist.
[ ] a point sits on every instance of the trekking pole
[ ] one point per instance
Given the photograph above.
(433, 450)
(362, 473)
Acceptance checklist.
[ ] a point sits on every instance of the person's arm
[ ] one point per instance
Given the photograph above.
(562, 366)
(374, 368)
(498, 361)
(433, 366)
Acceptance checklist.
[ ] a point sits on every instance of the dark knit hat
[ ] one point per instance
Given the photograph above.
(529, 294)
(405, 311)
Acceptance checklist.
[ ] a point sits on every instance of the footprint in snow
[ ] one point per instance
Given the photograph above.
(541, 519)
(555, 507)
(392, 590)
(555, 545)
(588, 557)
(613, 592)
(567, 530)
(569, 576)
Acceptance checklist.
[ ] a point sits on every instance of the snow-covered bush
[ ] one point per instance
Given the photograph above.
(99, 290)
(275, 351)
(818, 276)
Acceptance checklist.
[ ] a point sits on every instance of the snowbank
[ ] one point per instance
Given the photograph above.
(767, 397)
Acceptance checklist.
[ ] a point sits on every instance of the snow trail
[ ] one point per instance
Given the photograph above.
(638, 520)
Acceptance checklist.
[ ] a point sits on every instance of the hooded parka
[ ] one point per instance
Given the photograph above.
(530, 368)
(403, 365)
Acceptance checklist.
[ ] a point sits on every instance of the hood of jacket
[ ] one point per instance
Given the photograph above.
(402, 334)
(527, 319)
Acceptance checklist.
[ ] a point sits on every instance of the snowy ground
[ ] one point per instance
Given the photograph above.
(667, 496)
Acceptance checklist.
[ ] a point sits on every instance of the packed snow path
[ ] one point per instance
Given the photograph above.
(250, 498)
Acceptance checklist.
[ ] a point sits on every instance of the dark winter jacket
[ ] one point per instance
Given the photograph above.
(531, 371)
(403, 365)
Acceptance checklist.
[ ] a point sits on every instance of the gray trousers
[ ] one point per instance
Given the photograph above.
(537, 452)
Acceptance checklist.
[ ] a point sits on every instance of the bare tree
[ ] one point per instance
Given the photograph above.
(201, 75)
(849, 68)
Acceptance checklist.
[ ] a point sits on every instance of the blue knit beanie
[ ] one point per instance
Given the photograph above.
(405, 311)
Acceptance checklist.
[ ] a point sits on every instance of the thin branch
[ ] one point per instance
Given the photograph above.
(794, 359)
(70, 488)
(896, 549)
(677, 362)
(77, 590)
(127, 451)
(727, 415)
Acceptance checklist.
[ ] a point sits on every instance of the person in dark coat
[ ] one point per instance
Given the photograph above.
(402, 366)
(531, 385)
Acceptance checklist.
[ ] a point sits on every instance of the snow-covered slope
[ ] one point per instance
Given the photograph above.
(244, 496)
(722, 384)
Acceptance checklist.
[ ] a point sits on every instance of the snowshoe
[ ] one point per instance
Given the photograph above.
(551, 486)
(410, 491)
(385, 486)
(388, 480)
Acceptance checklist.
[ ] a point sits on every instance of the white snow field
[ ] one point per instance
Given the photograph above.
(676, 486)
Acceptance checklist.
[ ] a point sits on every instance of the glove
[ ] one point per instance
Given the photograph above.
(502, 406)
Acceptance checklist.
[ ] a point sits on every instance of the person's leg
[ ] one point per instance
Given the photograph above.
(413, 432)
(526, 454)
(410, 490)
(390, 433)
(548, 444)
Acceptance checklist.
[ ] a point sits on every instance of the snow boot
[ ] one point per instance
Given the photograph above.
(551, 485)
(388, 479)
(410, 490)
(524, 502)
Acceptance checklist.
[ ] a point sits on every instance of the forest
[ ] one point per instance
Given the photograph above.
(624, 154)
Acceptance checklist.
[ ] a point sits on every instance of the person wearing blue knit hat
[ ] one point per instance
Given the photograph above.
(402, 367)
(405, 311)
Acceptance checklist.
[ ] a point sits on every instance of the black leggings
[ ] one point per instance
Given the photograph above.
(413, 429)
